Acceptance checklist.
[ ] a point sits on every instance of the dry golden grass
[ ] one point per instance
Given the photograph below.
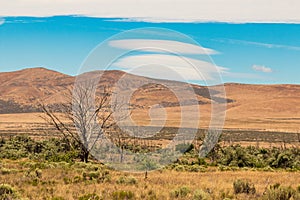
(58, 181)
(29, 123)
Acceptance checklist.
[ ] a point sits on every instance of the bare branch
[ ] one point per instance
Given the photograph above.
(84, 117)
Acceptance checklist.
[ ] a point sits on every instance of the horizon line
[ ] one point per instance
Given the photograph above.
(225, 83)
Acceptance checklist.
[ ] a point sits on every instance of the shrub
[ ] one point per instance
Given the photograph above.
(131, 181)
(38, 173)
(277, 192)
(127, 180)
(93, 175)
(7, 192)
(22, 146)
(33, 176)
(5, 171)
(104, 177)
(180, 192)
(77, 179)
(123, 195)
(201, 195)
(243, 186)
(34, 173)
(179, 168)
(93, 167)
(196, 168)
(67, 180)
(121, 180)
(90, 197)
(201, 161)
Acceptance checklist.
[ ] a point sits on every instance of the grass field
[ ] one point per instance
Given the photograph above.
(34, 177)
(33, 180)
(34, 169)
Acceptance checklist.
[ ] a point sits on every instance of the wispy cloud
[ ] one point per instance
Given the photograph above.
(170, 67)
(266, 45)
(24, 21)
(161, 46)
(262, 68)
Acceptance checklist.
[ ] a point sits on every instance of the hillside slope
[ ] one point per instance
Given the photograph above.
(248, 106)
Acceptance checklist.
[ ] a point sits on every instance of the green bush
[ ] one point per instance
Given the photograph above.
(179, 168)
(243, 186)
(7, 192)
(277, 192)
(254, 157)
(127, 180)
(54, 150)
(33, 176)
(5, 171)
(93, 175)
(90, 197)
(201, 195)
(180, 192)
(104, 176)
(123, 195)
(77, 179)
(34, 173)
(196, 168)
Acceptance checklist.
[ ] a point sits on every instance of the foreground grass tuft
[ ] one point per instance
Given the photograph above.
(7, 192)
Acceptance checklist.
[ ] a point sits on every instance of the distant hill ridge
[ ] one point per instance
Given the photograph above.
(21, 90)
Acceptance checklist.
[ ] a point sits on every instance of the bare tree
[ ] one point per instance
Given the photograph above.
(84, 118)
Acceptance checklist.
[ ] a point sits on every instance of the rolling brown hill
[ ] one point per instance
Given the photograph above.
(248, 106)
(26, 87)
(22, 90)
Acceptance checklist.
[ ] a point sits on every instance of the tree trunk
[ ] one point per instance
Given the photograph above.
(122, 154)
(85, 156)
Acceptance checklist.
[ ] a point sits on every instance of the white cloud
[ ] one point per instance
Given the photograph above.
(161, 46)
(23, 21)
(2, 21)
(170, 67)
(266, 45)
(161, 10)
(262, 68)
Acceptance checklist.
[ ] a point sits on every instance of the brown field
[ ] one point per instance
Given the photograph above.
(61, 181)
(33, 125)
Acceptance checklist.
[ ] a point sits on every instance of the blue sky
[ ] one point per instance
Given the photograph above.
(250, 52)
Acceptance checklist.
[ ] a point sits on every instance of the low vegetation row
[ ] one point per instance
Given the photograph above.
(225, 158)
(50, 169)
